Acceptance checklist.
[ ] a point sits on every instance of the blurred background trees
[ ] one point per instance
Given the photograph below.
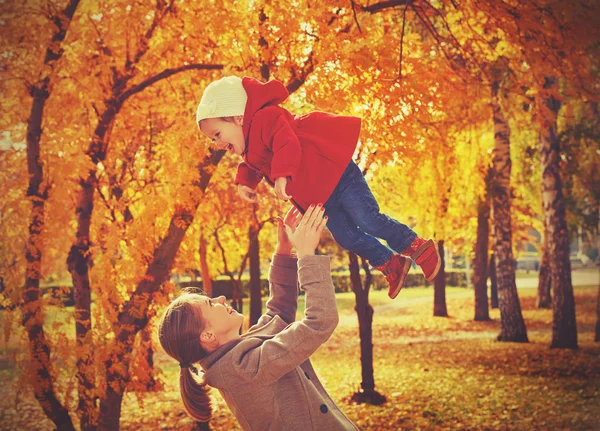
(108, 188)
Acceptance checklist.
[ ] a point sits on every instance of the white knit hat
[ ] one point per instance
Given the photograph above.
(223, 98)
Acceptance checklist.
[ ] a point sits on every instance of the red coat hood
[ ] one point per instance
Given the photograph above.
(260, 95)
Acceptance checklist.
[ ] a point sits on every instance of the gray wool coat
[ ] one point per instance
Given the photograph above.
(266, 377)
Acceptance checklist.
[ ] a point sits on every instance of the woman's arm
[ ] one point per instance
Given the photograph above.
(272, 358)
(283, 275)
(283, 290)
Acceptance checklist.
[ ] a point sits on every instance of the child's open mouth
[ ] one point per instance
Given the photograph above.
(230, 148)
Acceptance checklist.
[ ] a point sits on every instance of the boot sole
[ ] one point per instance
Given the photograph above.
(398, 288)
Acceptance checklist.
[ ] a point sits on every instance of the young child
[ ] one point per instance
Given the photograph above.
(308, 160)
(265, 375)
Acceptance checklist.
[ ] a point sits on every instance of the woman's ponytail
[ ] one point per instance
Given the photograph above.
(194, 393)
(179, 334)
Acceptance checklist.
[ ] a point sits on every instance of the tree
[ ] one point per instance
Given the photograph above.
(493, 282)
(364, 311)
(37, 192)
(544, 296)
(512, 324)
(564, 327)
(481, 257)
(254, 257)
(203, 263)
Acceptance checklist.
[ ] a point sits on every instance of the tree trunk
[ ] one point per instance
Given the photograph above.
(134, 318)
(204, 269)
(564, 328)
(439, 287)
(544, 297)
(37, 192)
(33, 320)
(597, 336)
(493, 282)
(364, 311)
(79, 263)
(201, 426)
(254, 257)
(148, 352)
(512, 326)
(481, 261)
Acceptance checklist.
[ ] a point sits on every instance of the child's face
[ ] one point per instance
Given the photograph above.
(225, 134)
(219, 318)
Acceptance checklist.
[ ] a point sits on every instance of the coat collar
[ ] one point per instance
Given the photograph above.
(265, 331)
(211, 359)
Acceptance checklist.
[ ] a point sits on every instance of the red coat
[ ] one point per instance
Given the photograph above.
(312, 150)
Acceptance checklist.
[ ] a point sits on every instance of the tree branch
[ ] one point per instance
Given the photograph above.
(378, 7)
(165, 74)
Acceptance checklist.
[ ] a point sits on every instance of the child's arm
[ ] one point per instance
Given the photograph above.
(246, 176)
(246, 180)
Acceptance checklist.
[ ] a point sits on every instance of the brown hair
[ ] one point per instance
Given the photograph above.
(179, 333)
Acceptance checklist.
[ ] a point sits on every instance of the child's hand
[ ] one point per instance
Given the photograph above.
(280, 184)
(308, 232)
(292, 218)
(247, 193)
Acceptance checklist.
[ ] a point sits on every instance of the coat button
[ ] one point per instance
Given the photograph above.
(307, 376)
(323, 408)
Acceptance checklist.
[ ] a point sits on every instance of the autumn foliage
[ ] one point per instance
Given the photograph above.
(108, 191)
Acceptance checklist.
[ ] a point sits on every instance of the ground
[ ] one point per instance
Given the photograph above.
(437, 373)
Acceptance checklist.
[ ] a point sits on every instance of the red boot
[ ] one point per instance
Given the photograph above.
(395, 271)
(427, 257)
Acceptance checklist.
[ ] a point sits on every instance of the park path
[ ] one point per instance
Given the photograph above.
(579, 278)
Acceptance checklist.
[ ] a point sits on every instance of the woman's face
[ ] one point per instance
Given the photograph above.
(227, 135)
(220, 318)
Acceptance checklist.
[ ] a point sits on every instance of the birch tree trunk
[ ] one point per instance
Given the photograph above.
(564, 327)
(512, 326)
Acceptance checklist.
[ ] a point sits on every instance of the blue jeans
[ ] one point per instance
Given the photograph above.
(355, 221)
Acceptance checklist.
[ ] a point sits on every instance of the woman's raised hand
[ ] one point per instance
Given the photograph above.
(307, 234)
(292, 218)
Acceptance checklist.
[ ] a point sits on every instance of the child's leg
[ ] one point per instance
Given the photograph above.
(350, 237)
(358, 202)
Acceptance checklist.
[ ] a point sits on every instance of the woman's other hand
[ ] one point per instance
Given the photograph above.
(305, 238)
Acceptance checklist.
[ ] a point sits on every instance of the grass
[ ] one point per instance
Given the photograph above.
(437, 373)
